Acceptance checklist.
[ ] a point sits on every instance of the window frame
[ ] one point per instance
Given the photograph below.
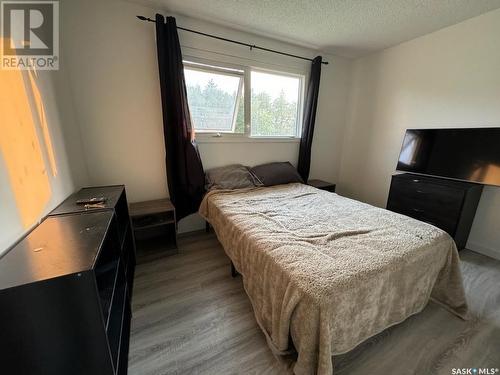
(300, 102)
(208, 136)
(227, 72)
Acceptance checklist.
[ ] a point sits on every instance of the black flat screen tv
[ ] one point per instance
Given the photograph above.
(462, 154)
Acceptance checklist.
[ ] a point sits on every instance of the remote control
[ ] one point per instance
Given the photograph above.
(93, 200)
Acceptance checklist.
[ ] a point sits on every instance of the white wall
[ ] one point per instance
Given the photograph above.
(37, 170)
(449, 78)
(113, 73)
(103, 111)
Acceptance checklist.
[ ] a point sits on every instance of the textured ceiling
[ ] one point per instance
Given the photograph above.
(348, 28)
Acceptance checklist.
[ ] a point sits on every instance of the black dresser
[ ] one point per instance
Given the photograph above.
(65, 292)
(446, 204)
(117, 202)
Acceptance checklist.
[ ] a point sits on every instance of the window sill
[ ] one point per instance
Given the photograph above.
(231, 138)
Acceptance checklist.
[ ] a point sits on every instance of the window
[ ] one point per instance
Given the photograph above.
(275, 104)
(215, 98)
(218, 104)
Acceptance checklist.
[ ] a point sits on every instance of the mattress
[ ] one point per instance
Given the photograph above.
(324, 272)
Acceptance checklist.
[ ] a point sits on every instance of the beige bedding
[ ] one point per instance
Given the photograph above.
(330, 272)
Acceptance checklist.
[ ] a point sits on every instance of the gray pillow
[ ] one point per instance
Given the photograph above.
(276, 173)
(235, 176)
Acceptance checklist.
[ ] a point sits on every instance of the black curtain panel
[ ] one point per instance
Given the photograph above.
(311, 103)
(185, 174)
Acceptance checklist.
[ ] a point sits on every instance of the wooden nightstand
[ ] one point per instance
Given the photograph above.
(323, 185)
(155, 225)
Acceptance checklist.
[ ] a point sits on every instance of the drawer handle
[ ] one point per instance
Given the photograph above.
(420, 191)
(417, 210)
(416, 180)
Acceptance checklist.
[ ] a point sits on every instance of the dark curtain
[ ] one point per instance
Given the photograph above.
(311, 103)
(185, 174)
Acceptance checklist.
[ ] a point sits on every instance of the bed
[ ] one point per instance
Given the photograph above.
(324, 272)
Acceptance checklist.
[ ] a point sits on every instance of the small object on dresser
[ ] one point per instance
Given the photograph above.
(93, 200)
(94, 205)
(155, 225)
(323, 185)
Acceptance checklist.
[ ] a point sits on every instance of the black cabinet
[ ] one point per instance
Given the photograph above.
(65, 295)
(323, 185)
(154, 225)
(116, 201)
(446, 204)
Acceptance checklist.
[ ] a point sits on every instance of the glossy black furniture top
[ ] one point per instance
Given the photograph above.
(116, 200)
(112, 193)
(57, 247)
(323, 185)
(66, 288)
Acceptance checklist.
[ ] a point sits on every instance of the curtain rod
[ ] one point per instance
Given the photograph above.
(251, 46)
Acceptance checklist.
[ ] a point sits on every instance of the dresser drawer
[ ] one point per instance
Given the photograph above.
(424, 200)
(420, 190)
(447, 204)
(447, 223)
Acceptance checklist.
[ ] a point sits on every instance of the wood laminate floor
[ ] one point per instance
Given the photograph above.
(191, 317)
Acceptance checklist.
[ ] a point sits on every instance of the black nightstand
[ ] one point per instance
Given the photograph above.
(155, 225)
(323, 185)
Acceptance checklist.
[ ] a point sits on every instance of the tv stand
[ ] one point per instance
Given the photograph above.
(447, 204)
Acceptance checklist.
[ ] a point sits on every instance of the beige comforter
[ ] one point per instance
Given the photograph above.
(330, 272)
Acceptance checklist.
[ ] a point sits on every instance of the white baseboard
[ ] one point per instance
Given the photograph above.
(488, 251)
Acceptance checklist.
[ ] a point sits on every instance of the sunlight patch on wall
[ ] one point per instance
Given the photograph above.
(20, 145)
(42, 120)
